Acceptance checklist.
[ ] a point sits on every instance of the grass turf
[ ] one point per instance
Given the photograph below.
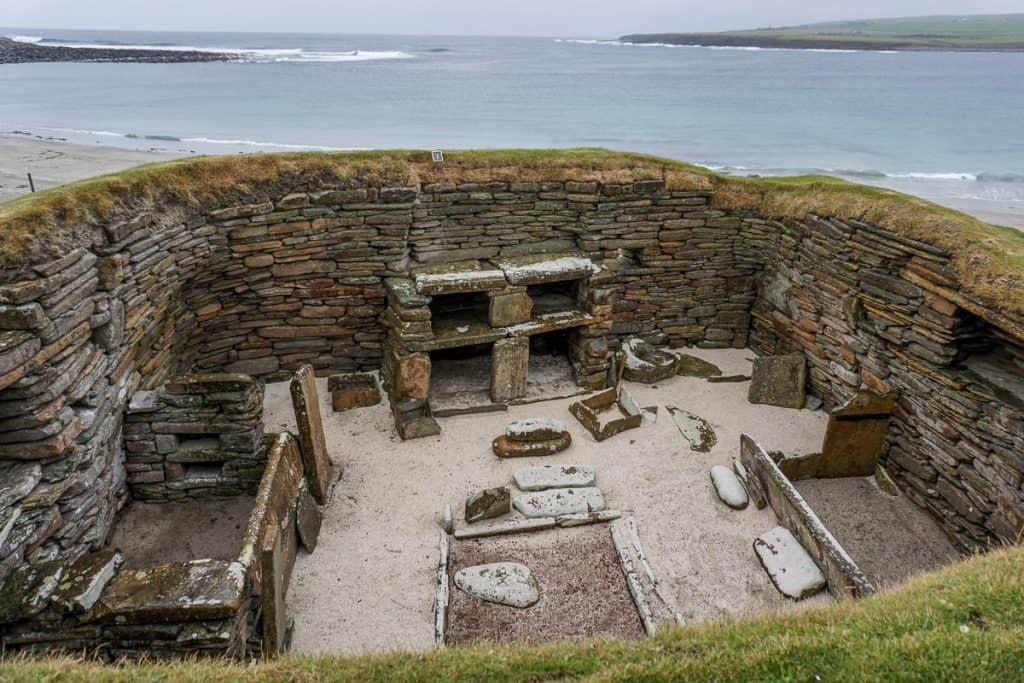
(960, 32)
(962, 623)
(989, 260)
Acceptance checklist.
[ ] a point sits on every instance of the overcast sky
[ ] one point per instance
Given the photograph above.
(570, 18)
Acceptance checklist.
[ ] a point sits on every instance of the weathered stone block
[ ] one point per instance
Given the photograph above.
(509, 366)
(354, 390)
(488, 504)
(779, 381)
(315, 458)
(413, 376)
(509, 309)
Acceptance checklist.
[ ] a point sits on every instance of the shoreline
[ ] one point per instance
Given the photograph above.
(55, 161)
(15, 52)
(813, 44)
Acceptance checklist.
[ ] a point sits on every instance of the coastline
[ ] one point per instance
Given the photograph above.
(54, 161)
(792, 43)
(15, 52)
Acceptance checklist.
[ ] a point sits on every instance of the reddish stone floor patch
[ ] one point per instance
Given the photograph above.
(583, 591)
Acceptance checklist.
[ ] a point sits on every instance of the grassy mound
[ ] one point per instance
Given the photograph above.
(963, 623)
(990, 260)
(971, 32)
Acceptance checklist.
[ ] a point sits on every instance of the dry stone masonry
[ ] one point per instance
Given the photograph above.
(199, 436)
(340, 274)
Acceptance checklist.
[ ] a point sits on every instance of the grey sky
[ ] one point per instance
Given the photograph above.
(571, 18)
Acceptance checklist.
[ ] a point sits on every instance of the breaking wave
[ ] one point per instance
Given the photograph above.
(271, 55)
(200, 140)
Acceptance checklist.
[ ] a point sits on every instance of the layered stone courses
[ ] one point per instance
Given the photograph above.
(268, 283)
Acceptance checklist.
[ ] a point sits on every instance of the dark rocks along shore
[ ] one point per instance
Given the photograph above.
(13, 52)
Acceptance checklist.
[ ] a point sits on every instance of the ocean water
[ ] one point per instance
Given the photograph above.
(948, 126)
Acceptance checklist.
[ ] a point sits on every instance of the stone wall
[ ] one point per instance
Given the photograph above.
(871, 308)
(275, 277)
(198, 436)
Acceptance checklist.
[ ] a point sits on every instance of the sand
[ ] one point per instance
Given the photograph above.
(370, 584)
(53, 161)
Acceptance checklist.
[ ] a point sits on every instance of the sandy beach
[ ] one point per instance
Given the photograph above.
(54, 161)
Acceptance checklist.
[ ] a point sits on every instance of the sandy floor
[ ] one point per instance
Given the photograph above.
(151, 533)
(370, 584)
(583, 590)
(889, 537)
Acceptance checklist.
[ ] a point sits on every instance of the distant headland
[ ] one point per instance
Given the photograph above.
(964, 33)
(17, 52)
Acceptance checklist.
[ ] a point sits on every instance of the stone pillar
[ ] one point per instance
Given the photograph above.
(508, 369)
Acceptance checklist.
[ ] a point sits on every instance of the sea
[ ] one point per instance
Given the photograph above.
(944, 125)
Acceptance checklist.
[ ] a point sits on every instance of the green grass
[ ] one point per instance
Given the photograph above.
(961, 32)
(46, 224)
(963, 623)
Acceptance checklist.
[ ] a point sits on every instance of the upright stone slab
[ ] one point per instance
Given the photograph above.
(854, 440)
(856, 434)
(779, 381)
(316, 462)
(509, 368)
(272, 592)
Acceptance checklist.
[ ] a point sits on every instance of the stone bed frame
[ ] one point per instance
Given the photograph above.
(292, 270)
(174, 609)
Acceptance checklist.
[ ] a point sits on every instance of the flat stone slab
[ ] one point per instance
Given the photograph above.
(457, 277)
(558, 502)
(691, 366)
(535, 429)
(554, 477)
(85, 579)
(789, 566)
(779, 381)
(696, 430)
(505, 447)
(729, 488)
(504, 583)
(538, 268)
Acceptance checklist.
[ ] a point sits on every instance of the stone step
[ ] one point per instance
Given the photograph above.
(554, 477)
(557, 502)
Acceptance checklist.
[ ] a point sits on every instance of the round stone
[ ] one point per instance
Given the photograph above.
(504, 583)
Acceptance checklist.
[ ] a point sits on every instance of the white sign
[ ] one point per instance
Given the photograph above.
(437, 156)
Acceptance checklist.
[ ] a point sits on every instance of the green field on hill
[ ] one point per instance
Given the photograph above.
(982, 32)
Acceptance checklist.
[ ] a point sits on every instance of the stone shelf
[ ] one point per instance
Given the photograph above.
(551, 322)
(542, 268)
(466, 328)
(458, 277)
